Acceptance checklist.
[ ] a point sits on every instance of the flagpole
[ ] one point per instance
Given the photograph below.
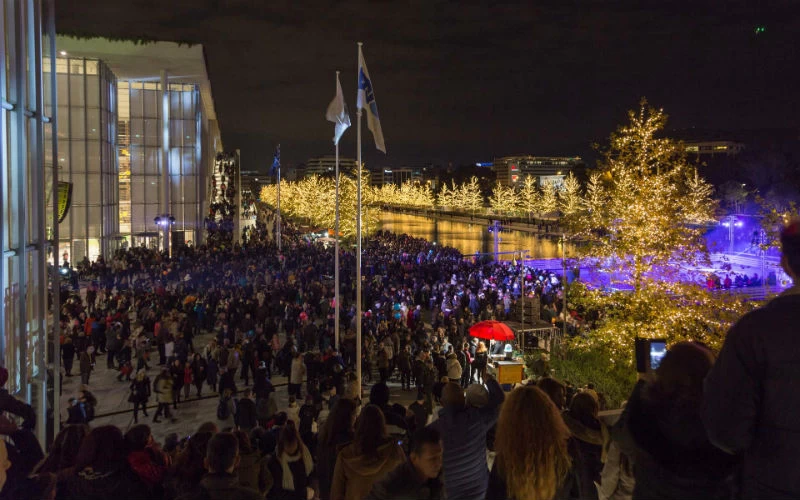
(358, 238)
(278, 214)
(336, 257)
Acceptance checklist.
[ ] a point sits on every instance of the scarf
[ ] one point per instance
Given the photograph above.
(285, 460)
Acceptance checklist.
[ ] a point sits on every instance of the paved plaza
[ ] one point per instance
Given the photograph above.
(113, 406)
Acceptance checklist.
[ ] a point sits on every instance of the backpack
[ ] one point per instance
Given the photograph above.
(223, 410)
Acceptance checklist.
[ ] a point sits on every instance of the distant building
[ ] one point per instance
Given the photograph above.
(513, 169)
(714, 148)
(326, 165)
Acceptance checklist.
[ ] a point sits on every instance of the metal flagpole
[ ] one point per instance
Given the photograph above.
(336, 250)
(564, 281)
(278, 214)
(358, 239)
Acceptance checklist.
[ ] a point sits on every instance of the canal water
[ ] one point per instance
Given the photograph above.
(470, 238)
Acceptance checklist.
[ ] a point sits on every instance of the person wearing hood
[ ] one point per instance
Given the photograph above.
(464, 429)
(662, 431)
(370, 457)
(588, 437)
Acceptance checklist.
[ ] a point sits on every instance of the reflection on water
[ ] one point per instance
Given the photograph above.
(471, 238)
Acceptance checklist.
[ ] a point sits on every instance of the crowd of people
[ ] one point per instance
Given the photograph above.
(687, 431)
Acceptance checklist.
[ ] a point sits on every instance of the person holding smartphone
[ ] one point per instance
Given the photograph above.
(662, 432)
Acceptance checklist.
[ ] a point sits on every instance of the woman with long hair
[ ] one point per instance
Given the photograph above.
(60, 460)
(537, 470)
(335, 433)
(291, 466)
(662, 431)
(370, 456)
(188, 468)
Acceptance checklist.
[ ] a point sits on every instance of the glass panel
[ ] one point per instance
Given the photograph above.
(91, 67)
(77, 124)
(175, 161)
(78, 190)
(152, 157)
(137, 132)
(93, 161)
(188, 162)
(175, 104)
(175, 133)
(76, 97)
(62, 89)
(79, 222)
(137, 217)
(152, 131)
(137, 189)
(189, 129)
(95, 223)
(136, 103)
(93, 123)
(151, 187)
(189, 189)
(137, 161)
(63, 122)
(94, 192)
(92, 91)
(151, 104)
(78, 155)
(175, 189)
(188, 105)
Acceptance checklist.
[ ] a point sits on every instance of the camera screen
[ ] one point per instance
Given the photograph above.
(658, 349)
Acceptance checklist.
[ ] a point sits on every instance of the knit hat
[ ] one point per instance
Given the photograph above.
(477, 396)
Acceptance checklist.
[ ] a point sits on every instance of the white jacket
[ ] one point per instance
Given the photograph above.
(298, 371)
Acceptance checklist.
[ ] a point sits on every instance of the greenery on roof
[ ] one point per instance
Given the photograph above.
(138, 40)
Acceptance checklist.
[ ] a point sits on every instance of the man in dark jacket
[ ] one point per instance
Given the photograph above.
(419, 477)
(463, 430)
(221, 482)
(751, 397)
(246, 416)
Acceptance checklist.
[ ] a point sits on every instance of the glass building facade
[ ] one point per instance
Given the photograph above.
(141, 175)
(25, 121)
(87, 159)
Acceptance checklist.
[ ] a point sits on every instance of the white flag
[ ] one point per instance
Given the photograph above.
(337, 112)
(366, 100)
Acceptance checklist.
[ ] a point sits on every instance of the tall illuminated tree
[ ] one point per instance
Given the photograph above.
(470, 195)
(644, 205)
(569, 196)
(530, 197)
(504, 200)
(548, 200)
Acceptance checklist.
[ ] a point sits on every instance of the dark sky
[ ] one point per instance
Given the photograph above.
(463, 82)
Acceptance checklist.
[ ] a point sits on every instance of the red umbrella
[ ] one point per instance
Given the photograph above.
(491, 330)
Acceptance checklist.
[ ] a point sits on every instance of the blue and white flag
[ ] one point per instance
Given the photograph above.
(366, 100)
(276, 161)
(337, 112)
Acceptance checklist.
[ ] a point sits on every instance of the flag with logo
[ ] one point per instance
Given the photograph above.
(337, 112)
(366, 101)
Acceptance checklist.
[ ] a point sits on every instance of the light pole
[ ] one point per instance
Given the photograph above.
(564, 280)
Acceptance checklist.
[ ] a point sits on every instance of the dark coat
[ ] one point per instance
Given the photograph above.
(671, 454)
(246, 417)
(404, 483)
(222, 487)
(752, 401)
(118, 482)
(463, 433)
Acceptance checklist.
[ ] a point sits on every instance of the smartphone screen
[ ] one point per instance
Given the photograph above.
(658, 349)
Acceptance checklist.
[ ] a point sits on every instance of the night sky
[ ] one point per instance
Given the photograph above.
(461, 82)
